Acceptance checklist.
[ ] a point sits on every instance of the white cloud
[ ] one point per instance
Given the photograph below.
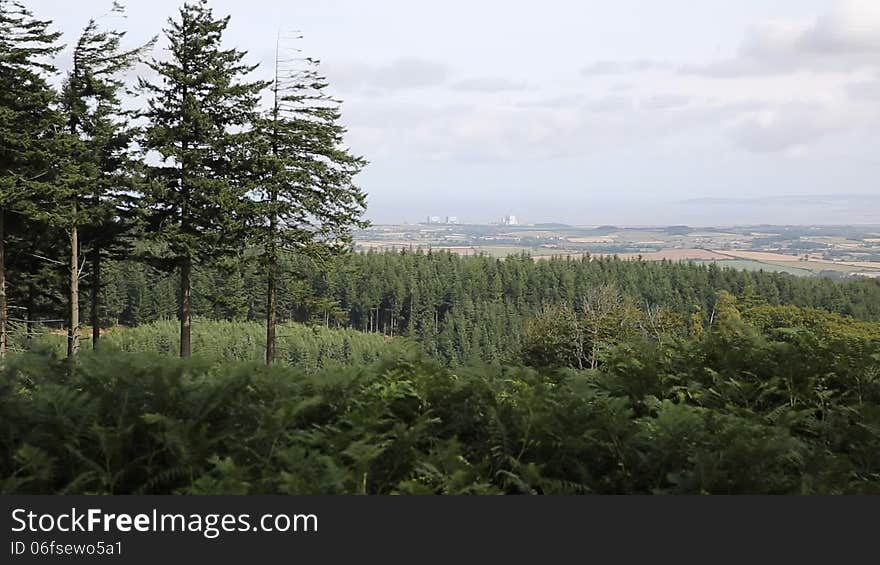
(665, 102)
(489, 84)
(563, 101)
(853, 26)
(844, 39)
(599, 68)
(400, 74)
(868, 91)
(789, 129)
(610, 103)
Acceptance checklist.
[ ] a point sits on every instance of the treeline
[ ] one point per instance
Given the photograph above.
(769, 399)
(182, 170)
(462, 309)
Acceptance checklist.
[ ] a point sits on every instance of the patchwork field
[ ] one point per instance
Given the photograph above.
(800, 250)
(677, 255)
(758, 255)
(748, 265)
(804, 264)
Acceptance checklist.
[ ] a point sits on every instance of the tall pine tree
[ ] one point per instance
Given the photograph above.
(198, 112)
(96, 192)
(305, 198)
(27, 125)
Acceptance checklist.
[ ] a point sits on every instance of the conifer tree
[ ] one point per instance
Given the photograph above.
(96, 191)
(305, 198)
(27, 124)
(199, 111)
(37, 294)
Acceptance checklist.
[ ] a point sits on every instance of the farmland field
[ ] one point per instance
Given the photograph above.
(802, 251)
(676, 255)
(747, 265)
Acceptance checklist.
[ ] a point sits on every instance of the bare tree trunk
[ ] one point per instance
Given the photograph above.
(73, 330)
(271, 315)
(4, 314)
(96, 297)
(185, 307)
(29, 316)
(271, 291)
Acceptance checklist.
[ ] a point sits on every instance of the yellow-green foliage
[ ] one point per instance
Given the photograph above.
(304, 346)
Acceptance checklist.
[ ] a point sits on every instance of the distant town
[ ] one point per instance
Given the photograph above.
(453, 221)
(833, 252)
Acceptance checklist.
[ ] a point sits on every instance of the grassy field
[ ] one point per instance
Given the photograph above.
(819, 266)
(747, 265)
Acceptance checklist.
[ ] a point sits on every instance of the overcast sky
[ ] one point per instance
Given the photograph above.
(586, 111)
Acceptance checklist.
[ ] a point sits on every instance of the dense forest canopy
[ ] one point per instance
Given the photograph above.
(461, 308)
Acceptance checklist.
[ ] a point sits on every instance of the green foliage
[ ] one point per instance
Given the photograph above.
(304, 197)
(199, 111)
(27, 116)
(463, 309)
(28, 123)
(746, 408)
(554, 338)
(309, 348)
(195, 111)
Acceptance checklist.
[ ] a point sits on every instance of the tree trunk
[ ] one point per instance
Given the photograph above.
(185, 307)
(272, 249)
(73, 330)
(4, 315)
(271, 317)
(96, 297)
(29, 316)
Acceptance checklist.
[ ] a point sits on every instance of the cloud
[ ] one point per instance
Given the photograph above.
(665, 102)
(400, 74)
(625, 67)
(846, 38)
(489, 84)
(852, 27)
(410, 73)
(610, 103)
(607, 103)
(868, 91)
(564, 101)
(788, 129)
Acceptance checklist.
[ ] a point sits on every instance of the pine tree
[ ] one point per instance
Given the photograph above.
(305, 199)
(198, 113)
(97, 191)
(37, 294)
(27, 124)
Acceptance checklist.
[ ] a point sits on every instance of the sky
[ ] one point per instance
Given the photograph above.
(585, 112)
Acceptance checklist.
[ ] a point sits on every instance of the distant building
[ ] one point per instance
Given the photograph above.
(451, 219)
(510, 221)
(434, 220)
